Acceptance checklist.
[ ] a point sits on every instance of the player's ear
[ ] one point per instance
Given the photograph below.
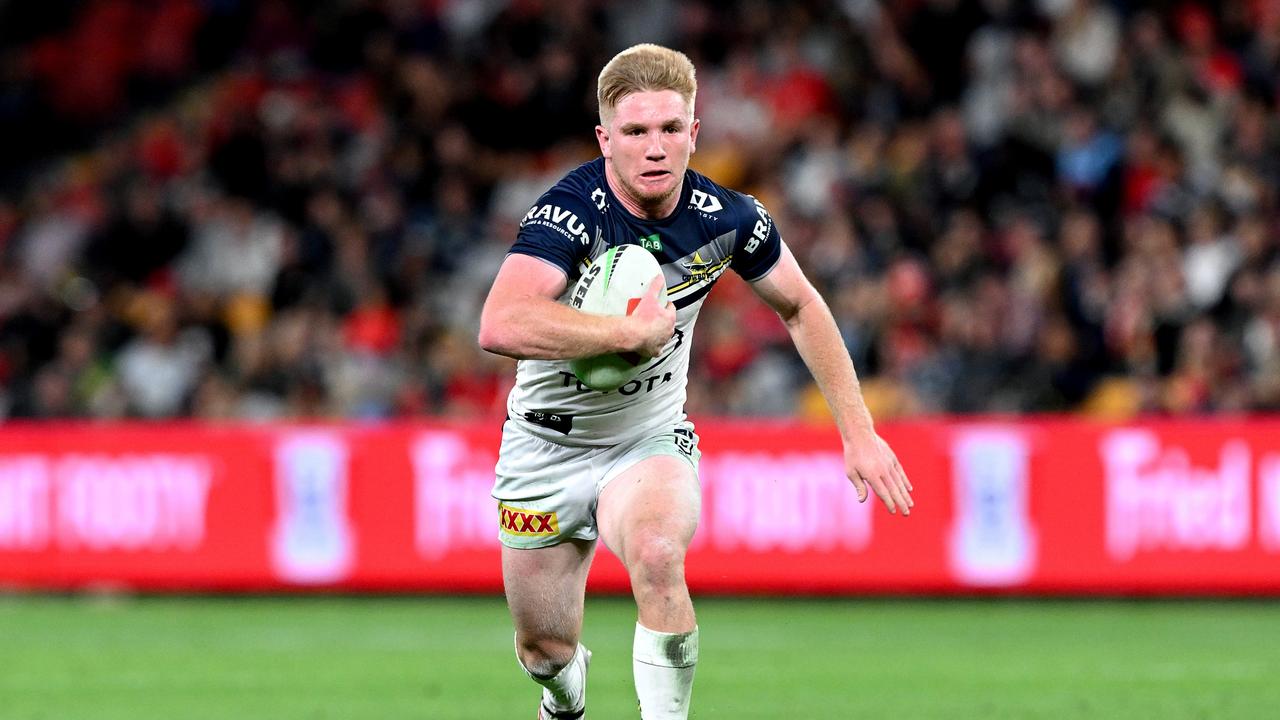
(693, 135)
(602, 137)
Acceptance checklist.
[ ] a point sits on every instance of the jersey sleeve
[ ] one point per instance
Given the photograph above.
(758, 246)
(557, 229)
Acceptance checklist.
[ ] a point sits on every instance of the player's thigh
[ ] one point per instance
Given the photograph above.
(546, 492)
(657, 497)
(545, 587)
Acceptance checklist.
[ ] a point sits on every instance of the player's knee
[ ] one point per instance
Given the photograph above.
(545, 657)
(655, 560)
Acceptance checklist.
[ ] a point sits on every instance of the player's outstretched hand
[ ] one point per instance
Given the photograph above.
(654, 320)
(870, 462)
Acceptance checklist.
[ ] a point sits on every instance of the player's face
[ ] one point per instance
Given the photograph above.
(647, 147)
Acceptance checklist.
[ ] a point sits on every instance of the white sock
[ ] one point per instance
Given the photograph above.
(566, 691)
(664, 665)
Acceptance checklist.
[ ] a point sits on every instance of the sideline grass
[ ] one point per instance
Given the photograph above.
(450, 659)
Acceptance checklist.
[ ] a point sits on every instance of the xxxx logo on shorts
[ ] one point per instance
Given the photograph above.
(518, 521)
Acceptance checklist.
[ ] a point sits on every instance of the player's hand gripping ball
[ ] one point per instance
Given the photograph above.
(613, 285)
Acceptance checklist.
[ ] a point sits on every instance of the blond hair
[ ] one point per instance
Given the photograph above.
(641, 68)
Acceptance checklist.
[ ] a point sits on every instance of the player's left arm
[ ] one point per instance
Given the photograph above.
(868, 459)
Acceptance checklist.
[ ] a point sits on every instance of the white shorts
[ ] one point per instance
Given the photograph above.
(547, 493)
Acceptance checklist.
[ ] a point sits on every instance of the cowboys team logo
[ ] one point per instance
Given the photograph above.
(698, 270)
(698, 267)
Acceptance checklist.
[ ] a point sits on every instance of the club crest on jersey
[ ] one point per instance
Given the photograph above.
(704, 202)
(698, 266)
(698, 270)
(557, 218)
(598, 197)
(518, 521)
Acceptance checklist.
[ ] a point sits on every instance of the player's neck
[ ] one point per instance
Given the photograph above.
(658, 211)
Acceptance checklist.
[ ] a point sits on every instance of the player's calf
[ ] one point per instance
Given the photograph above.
(564, 684)
(544, 657)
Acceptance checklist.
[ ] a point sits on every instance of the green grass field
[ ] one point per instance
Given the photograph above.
(451, 659)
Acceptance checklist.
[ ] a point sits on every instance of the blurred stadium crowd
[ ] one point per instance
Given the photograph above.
(282, 209)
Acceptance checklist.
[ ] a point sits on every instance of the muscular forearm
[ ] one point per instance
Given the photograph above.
(816, 337)
(542, 329)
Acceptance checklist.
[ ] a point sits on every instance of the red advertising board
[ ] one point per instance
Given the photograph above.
(1042, 506)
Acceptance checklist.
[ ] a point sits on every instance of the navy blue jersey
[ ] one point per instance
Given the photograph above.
(712, 229)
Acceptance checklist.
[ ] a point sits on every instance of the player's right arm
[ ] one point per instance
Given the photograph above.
(522, 318)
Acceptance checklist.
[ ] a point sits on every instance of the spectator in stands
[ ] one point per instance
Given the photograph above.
(1012, 206)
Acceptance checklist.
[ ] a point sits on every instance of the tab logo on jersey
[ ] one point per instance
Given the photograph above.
(518, 521)
(651, 243)
(704, 202)
(557, 218)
